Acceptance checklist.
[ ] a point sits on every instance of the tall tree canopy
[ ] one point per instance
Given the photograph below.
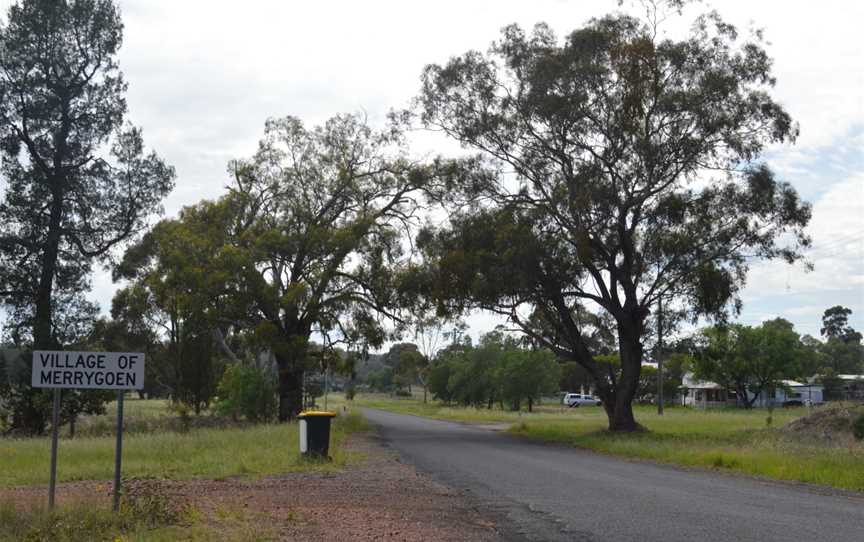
(835, 325)
(628, 172)
(78, 181)
(307, 241)
(842, 352)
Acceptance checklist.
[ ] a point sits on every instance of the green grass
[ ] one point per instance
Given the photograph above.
(144, 416)
(728, 439)
(199, 453)
(73, 523)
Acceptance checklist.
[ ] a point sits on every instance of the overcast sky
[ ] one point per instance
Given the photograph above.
(205, 74)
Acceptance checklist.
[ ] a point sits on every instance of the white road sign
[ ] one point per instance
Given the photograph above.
(89, 370)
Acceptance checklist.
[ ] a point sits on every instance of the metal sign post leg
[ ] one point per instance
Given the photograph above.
(55, 429)
(118, 451)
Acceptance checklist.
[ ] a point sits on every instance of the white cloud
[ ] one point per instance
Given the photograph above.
(807, 310)
(837, 229)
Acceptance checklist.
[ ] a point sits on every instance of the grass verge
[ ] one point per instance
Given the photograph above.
(199, 453)
(729, 440)
(81, 521)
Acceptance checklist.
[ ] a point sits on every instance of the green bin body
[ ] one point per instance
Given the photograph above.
(315, 432)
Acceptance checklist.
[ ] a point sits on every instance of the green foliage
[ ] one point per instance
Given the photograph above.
(842, 357)
(78, 180)
(835, 325)
(407, 364)
(832, 385)
(247, 391)
(472, 378)
(380, 379)
(313, 389)
(25, 410)
(305, 241)
(439, 378)
(858, 427)
(172, 295)
(608, 133)
(497, 370)
(749, 359)
(527, 375)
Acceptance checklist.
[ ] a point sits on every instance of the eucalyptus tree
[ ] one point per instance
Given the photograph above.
(176, 273)
(628, 172)
(78, 182)
(312, 236)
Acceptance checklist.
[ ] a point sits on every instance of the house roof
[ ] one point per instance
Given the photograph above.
(689, 381)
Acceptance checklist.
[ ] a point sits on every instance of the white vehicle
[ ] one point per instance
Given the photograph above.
(578, 399)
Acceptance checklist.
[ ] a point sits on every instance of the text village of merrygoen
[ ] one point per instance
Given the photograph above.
(102, 370)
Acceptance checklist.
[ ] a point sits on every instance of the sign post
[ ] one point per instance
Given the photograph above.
(118, 451)
(55, 423)
(119, 371)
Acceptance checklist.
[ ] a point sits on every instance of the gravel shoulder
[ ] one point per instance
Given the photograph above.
(380, 499)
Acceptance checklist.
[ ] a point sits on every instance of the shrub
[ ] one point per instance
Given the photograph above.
(350, 392)
(145, 506)
(858, 427)
(147, 500)
(247, 391)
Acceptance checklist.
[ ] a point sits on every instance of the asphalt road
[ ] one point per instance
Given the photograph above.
(549, 492)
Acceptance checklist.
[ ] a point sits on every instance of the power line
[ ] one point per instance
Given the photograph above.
(838, 242)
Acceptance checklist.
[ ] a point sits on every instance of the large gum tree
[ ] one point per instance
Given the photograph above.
(78, 181)
(322, 216)
(305, 245)
(629, 172)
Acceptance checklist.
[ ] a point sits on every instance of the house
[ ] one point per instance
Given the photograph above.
(703, 393)
(853, 387)
(706, 394)
(790, 392)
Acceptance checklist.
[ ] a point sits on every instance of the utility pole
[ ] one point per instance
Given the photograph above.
(660, 355)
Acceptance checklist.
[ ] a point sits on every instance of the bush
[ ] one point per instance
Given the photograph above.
(350, 392)
(144, 506)
(380, 380)
(858, 427)
(247, 391)
(146, 500)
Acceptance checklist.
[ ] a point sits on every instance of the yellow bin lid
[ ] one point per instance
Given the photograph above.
(316, 413)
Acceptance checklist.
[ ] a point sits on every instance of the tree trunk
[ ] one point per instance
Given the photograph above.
(291, 362)
(620, 413)
(43, 337)
(751, 402)
(530, 404)
(743, 400)
(290, 392)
